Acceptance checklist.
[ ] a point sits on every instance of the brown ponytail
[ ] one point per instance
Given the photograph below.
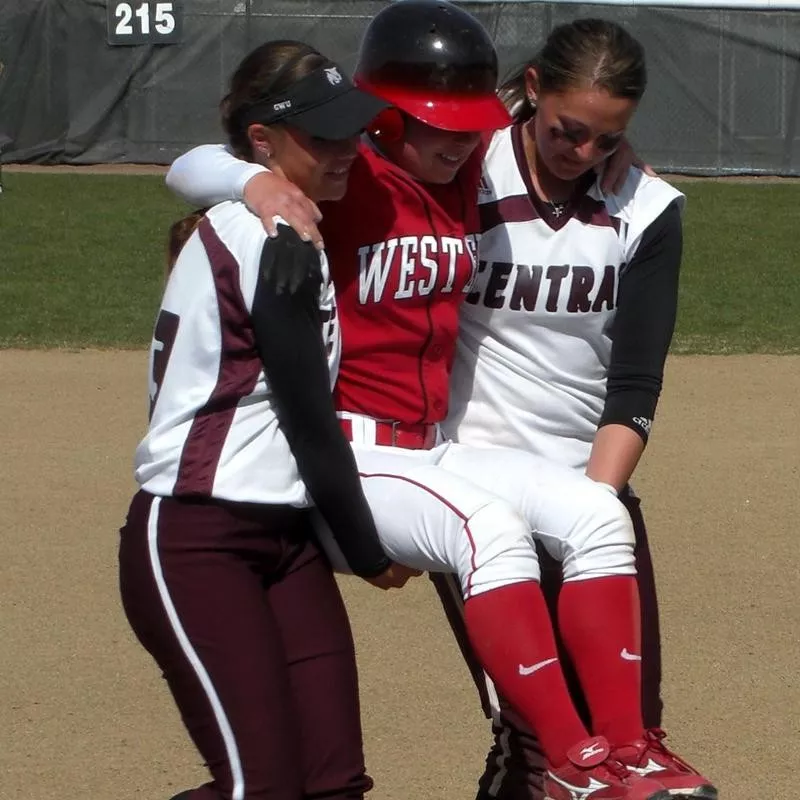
(179, 234)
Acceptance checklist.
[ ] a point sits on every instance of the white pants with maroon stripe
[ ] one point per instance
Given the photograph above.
(581, 523)
(436, 521)
(475, 512)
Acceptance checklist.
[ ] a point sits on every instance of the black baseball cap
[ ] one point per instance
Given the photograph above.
(324, 104)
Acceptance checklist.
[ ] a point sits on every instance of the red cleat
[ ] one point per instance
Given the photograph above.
(650, 758)
(592, 774)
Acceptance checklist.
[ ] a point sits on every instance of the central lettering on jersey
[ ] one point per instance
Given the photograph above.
(523, 287)
(416, 265)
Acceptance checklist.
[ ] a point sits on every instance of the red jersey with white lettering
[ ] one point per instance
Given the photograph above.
(402, 256)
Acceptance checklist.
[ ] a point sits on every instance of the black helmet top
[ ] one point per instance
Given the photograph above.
(435, 61)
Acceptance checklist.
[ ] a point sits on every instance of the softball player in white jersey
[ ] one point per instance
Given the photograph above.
(220, 575)
(537, 329)
(564, 336)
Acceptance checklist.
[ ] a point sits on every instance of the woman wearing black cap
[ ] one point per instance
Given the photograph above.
(220, 579)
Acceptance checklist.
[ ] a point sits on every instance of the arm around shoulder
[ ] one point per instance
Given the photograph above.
(210, 174)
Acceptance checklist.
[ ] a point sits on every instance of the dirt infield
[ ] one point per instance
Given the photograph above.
(87, 716)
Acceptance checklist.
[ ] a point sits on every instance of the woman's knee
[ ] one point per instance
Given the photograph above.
(599, 539)
(499, 549)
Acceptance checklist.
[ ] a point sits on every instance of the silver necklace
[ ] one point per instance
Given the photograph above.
(557, 209)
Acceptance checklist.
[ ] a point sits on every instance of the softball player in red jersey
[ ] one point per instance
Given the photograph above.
(401, 274)
(219, 574)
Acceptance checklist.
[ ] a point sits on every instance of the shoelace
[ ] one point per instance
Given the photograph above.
(617, 769)
(655, 740)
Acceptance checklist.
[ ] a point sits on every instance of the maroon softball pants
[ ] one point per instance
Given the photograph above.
(515, 764)
(243, 616)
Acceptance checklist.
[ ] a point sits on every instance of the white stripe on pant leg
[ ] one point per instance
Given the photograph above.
(190, 653)
(502, 760)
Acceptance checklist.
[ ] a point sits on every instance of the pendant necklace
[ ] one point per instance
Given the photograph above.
(557, 209)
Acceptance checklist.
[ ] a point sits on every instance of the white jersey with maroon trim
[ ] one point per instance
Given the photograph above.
(213, 431)
(534, 349)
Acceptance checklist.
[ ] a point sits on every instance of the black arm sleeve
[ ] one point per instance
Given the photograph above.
(642, 331)
(288, 336)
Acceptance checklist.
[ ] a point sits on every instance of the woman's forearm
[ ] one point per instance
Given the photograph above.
(210, 174)
(615, 453)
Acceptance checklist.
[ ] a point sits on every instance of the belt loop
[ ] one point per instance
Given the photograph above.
(368, 430)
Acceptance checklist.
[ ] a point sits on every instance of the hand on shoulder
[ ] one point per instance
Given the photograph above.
(269, 195)
(288, 262)
(615, 169)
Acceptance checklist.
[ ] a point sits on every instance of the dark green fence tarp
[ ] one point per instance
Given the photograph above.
(724, 92)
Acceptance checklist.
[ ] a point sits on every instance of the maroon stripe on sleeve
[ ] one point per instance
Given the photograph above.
(239, 369)
(510, 209)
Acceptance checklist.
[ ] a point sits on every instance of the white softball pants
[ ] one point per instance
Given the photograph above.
(476, 512)
(437, 521)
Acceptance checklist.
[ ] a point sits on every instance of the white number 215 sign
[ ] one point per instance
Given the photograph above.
(144, 22)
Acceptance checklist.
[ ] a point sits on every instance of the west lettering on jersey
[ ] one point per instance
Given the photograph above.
(413, 266)
(528, 287)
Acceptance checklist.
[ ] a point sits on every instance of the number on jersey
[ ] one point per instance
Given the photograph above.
(161, 349)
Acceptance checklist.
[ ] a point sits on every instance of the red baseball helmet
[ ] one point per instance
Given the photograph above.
(434, 61)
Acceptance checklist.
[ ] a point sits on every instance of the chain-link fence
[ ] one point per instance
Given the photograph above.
(723, 97)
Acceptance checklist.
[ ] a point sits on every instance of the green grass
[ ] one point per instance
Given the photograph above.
(82, 263)
(82, 258)
(740, 283)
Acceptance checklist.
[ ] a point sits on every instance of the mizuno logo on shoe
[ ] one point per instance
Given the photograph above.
(650, 766)
(627, 656)
(593, 749)
(523, 670)
(579, 792)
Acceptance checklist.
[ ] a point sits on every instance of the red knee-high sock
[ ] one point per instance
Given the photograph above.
(512, 635)
(600, 625)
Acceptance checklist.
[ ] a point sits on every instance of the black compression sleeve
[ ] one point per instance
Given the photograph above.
(642, 331)
(288, 336)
